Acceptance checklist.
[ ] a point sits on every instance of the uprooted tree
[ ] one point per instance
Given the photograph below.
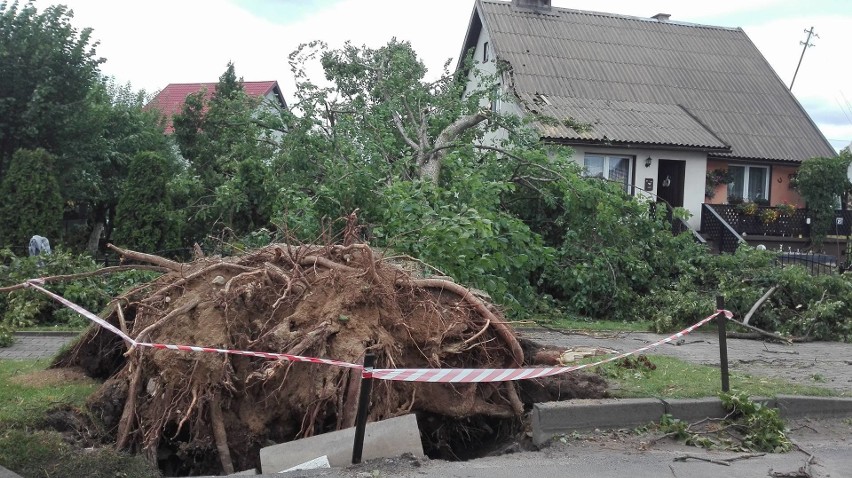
(203, 412)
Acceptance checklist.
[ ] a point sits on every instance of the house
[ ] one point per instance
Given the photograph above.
(663, 102)
(169, 101)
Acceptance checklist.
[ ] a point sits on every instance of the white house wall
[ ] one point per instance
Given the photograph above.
(696, 163)
(487, 68)
(694, 175)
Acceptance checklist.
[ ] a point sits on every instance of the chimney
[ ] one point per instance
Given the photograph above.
(662, 17)
(538, 6)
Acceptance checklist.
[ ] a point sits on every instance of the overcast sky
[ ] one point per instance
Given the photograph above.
(152, 43)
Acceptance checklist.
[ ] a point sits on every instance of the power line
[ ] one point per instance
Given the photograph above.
(807, 43)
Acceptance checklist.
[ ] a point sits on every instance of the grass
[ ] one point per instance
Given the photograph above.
(45, 454)
(586, 324)
(24, 404)
(674, 378)
(27, 394)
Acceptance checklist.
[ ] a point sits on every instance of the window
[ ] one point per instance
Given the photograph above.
(750, 182)
(614, 168)
(495, 99)
(486, 54)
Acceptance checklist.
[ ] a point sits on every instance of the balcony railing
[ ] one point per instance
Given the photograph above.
(769, 221)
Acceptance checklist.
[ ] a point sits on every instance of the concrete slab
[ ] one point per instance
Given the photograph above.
(554, 418)
(383, 439)
(694, 409)
(4, 473)
(790, 406)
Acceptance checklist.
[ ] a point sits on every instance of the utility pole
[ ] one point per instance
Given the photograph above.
(807, 43)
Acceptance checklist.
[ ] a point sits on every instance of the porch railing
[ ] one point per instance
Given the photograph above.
(678, 225)
(769, 221)
(719, 230)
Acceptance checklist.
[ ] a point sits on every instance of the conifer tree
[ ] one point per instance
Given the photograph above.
(31, 201)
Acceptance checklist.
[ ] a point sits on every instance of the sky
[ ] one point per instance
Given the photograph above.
(152, 43)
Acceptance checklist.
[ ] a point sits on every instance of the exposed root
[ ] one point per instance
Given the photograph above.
(128, 416)
(221, 436)
(150, 259)
(500, 327)
(211, 413)
(141, 336)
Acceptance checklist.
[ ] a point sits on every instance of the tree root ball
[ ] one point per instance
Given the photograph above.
(205, 412)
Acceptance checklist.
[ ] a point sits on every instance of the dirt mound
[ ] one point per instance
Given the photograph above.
(53, 376)
(206, 412)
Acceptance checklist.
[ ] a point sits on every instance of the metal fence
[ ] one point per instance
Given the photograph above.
(815, 263)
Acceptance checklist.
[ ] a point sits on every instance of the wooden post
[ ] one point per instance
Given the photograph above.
(363, 408)
(721, 321)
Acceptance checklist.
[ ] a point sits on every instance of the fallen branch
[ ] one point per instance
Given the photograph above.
(149, 258)
(719, 461)
(83, 275)
(759, 303)
(763, 332)
(803, 471)
(701, 458)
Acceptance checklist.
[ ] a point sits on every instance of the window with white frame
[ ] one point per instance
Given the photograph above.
(749, 182)
(496, 93)
(614, 168)
(486, 53)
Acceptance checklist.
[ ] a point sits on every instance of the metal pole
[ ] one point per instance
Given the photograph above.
(363, 407)
(721, 321)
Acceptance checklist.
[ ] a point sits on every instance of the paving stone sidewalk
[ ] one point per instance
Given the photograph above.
(29, 346)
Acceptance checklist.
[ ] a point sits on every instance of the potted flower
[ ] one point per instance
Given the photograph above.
(715, 178)
(768, 216)
(785, 208)
(747, 208)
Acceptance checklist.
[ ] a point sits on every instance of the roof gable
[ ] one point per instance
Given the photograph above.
(169, 101)
(639, 80)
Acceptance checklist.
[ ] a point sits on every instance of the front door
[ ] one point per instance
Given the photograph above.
(670, 178)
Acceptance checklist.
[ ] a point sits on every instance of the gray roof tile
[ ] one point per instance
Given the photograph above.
(643, 81)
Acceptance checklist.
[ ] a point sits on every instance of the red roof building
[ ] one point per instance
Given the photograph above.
(169, 101)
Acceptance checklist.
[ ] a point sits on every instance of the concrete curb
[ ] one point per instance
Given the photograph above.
(556, 418)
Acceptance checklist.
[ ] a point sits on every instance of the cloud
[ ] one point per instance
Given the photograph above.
(157, 42)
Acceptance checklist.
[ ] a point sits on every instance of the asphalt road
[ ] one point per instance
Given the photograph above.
(821, 364)
(617, 454)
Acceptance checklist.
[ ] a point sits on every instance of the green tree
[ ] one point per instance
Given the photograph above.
(31, 200)
(402, 117)
(145, 216)
(230, 154)
(47, 68)
(822, 182)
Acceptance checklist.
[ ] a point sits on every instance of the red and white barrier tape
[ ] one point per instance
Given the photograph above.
(35, 284)
(480, 375)
(440, 375)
